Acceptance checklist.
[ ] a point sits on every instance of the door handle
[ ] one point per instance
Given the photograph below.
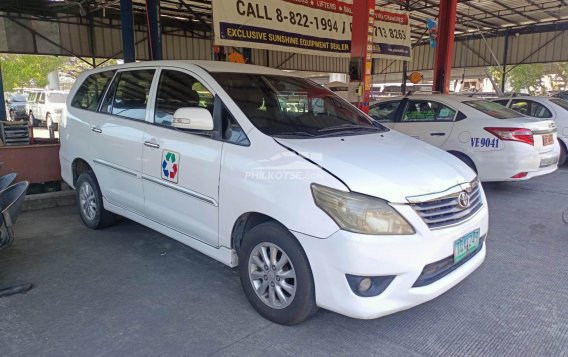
(437, 134)
(151, 145)
(96, 130)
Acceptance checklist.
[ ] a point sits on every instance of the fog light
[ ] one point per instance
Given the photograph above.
(369, 286)
(365, 284)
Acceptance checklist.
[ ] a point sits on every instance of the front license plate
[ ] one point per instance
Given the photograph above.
(466, 245)
(547, 139)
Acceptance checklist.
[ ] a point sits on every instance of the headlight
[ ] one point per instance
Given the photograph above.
(358, 213)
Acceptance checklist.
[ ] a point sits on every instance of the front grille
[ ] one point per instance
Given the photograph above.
(447, 211)
(437, 270)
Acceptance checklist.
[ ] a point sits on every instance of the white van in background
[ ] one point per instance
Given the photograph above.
(46, 106)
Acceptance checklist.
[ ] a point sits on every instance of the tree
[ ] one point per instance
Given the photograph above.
(31, 70)
(27, 70)
(562, 73)
(523, 77)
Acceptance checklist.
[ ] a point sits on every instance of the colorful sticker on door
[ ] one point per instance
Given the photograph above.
(170, 165)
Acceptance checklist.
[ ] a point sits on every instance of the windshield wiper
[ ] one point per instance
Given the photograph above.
(295, 133)
(349, 127)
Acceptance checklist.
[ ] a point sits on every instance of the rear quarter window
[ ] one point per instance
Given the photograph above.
(494, 110)
(89, 94)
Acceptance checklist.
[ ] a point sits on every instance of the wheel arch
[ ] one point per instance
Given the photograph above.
(79, 166)
(245, 223)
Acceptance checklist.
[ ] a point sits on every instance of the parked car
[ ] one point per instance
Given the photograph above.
(319, 206)
(498, 143)
(46, 106)
(544, 108)
(562, 95)
(16, 107)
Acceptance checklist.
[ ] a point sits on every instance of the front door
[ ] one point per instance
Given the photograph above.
(428, 121)
(118, 138)
(180, 169)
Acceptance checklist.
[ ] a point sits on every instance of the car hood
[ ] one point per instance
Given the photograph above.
(389, 165)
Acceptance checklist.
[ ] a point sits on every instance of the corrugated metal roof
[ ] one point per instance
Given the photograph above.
(486, 15)
(541, 26)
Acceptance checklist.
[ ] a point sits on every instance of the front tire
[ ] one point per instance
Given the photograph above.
(276, 276)
(48, 120)
(90, 202)
(33, 121)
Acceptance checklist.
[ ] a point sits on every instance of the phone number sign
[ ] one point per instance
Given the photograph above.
(318, 27)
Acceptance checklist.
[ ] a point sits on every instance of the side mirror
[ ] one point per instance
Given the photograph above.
(193, 119)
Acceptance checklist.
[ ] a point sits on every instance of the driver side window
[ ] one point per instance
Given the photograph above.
(179, 90)
(384, 112)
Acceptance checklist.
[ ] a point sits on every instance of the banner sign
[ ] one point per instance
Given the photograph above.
(316, 27)
(392, 38)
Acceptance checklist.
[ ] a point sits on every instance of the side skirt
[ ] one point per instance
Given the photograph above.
(222, 254)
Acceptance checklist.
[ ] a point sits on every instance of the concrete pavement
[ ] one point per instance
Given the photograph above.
(129, 291)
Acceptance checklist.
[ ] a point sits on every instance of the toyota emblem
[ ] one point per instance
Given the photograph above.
(463, 200)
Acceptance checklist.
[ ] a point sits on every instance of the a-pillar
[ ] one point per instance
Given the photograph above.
(127, 25)
(445, 45)
(361, 63)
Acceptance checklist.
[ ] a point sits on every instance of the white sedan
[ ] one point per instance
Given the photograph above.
(497, 142)
(543, 108)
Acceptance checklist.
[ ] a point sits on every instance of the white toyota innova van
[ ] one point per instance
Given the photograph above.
(317, 204)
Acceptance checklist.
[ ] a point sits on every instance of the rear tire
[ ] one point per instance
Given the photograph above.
(90, 202)
(562, 159)
(466, 160)
(276, 276)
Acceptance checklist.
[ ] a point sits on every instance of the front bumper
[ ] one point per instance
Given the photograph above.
(401, 256)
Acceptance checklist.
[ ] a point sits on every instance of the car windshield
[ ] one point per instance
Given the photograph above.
(294, 107)
(17, 98)
(56, 97)
(561, 103)
(494, 110)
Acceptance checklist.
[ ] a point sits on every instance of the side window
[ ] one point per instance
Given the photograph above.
(129, 95)
(427, 111)
(384, 112)
(179, 90)
(41, 98)
(521, 106)
(530, 108)
(31, 97)
(90, 92)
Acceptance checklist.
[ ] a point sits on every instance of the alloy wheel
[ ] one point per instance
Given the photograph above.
(88, 202)
(272, 275)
